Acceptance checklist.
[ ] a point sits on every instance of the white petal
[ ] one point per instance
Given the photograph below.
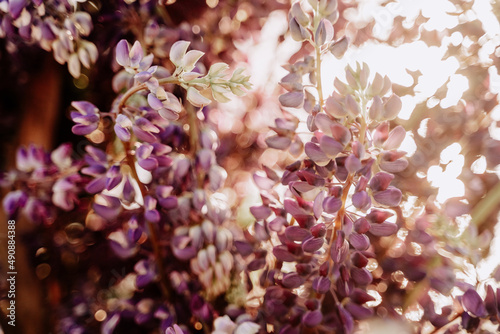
(196, 99)
(74, 65)
(190, 59)
(177, 52)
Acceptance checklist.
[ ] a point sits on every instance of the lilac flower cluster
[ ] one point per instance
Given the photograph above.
(55, 26)
(337, 196)
(331, 246)
(43, 183)
(158, 192)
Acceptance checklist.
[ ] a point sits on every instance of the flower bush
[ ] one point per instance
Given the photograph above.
(154, 225)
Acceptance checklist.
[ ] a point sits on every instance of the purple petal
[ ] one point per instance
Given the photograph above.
(315, 153)
(312, 318)
(396, 137)
(263, 182)
(113, 182)
(377, 216)
(359, 296)
(14, 200)
(330, 146)
(244, 248)
(332, 204)
(82, 130)
(109, 211)
(381, 181)
(168, 114)
(321, 284)
(318, 204)
(359, 312)
(384, 229)
(277, 224)
(294, 99)
(97, 185)
(334, 109)
(143, 77)
(296, 233)
(389, 197)
(149, 164)
(359, 241)
(491, 301)
(292, 280)
(122, 133)
(347, 320)
(136, 54)
(361, 225)
(16, 7)
(472, 303)
(170, 202)
(122, 53)
(185, 253)
(282, 254)
(278, 142)
(152, 216)
(361, 276)
(352, 163)
(293, 208)
(341, 134)
(361, 200)
(312, 245)
(395, 166)
(154, 102)
(205, 158)
(392, 107)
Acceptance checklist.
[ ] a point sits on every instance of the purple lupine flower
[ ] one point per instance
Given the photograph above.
(31, 159)
(473, 303)
(65, 192)
(166, 104)
(13, 201)
(150, 213)
(132, 59)
(175, 329)
(122, 127)
(145, 130)
(108, 207)
(86, 117)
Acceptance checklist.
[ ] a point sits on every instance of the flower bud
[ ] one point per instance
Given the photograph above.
(334, 109)
(363, 76)
(299, 15)
(396, 137)
(324, 32)
(196, 99)
(351, 80)
(321, 284)
(294, 99)
(352, 106)
(299, 34)
(392, 107)
(339, 48)
(375, 111)
(312, 318)
(341, 87)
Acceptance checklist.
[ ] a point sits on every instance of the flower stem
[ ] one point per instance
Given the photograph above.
(153, 235)
(319, 86)
(339, 219)
(128, 94)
